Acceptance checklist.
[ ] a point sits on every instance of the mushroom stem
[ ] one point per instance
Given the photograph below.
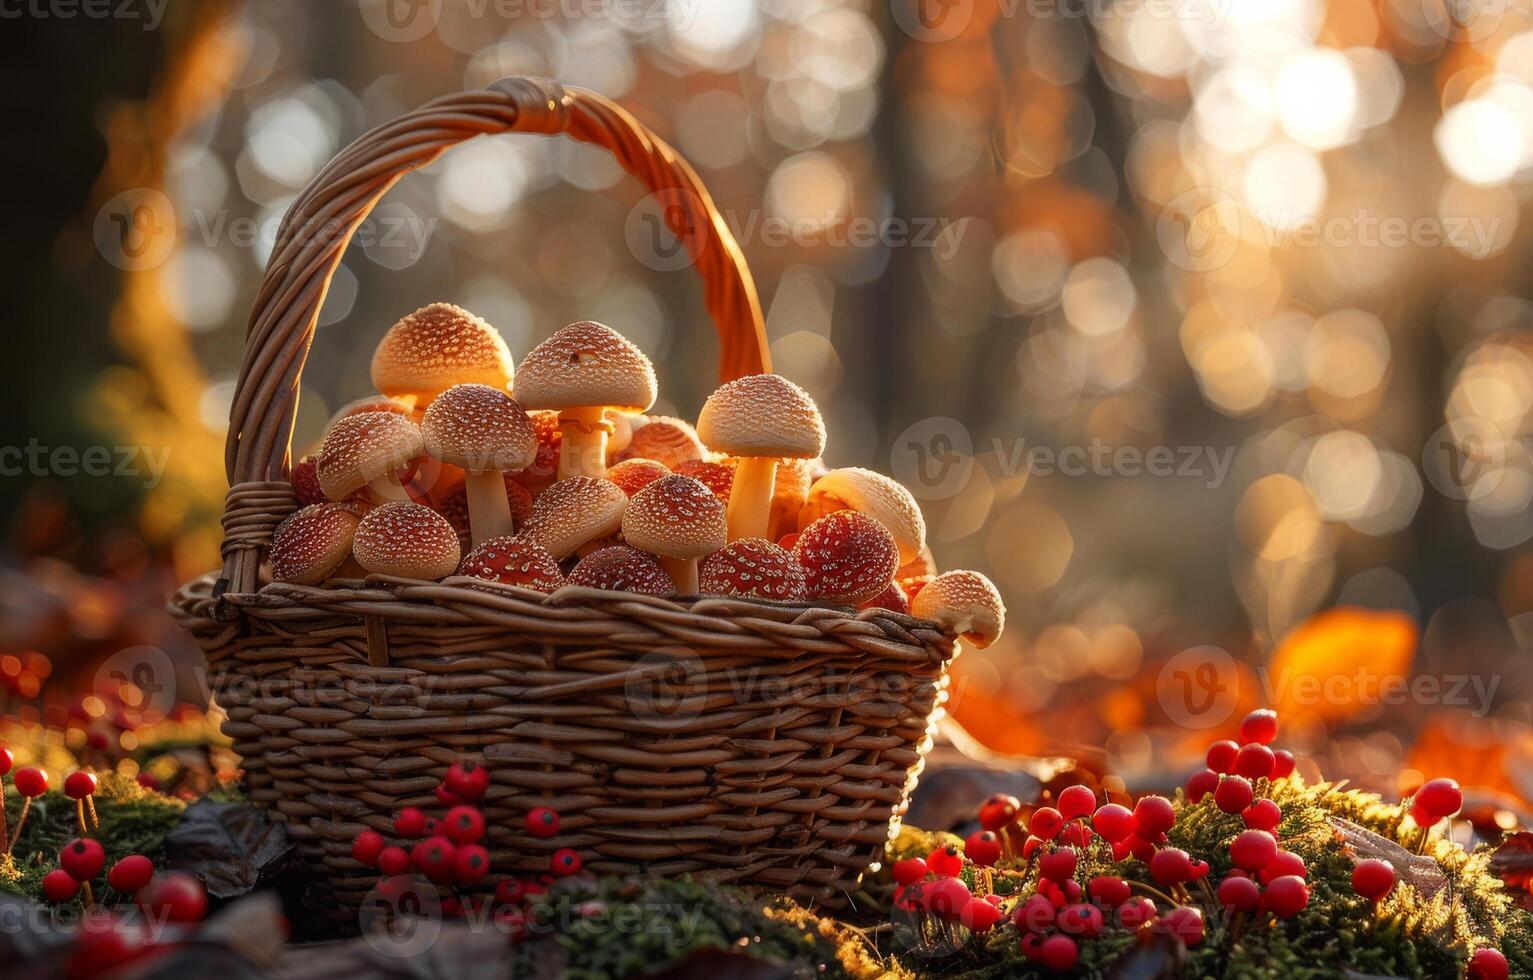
(489, 509)
(683, 572)
(583, 442)
(387, 489)
(750, 498)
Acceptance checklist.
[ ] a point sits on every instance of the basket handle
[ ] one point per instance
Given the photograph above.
(319, 224)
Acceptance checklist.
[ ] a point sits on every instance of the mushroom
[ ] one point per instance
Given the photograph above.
(435, 348)
(365, 450)
(759, 418)
(789, 491)
(922, 564)
(407, 540)
(484, 431)
(719, 475)
(670, 441)
(873, 494)
(514, 561)
(311, 543)
(623, 424)
(752, 567)
(582, 370)
(963, 603)
(571, 512)
(847, 557)
(680, 520)
(622, 568)
(634, 474)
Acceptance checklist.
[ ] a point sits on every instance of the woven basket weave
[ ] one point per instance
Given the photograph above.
(737, 740)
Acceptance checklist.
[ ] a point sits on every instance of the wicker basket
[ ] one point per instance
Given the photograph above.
(736, 740)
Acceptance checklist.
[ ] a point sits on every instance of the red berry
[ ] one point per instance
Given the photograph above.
(1286, 896)
(1255, 761)
(909, 871)
(509, 891)
(410, 822)
(1108, 890)
(1058, 865)
(394, 861)
(979, 915)
(1045, 822)
(1035, 914)
(467, 781)
(6, 761)
(1487, 964)
(176, 897)
(148, 780)
(1171, 866)
(437, 859)
(1202, 783)
(1263, 815)
(1234, 794)
(998, 811)
(1073, 834)
(367, 847)
(1136, 912)
(983, 848)
(1253, 849)
(1059, 953)
(1285, 863)
(83, 858)
(1186, 923)
(1239, 893)
(31, 781)
(946, 898)
(105, 942)
(472, 863)
(1154, 815)
(1283, 764)
(432, 828)
(59, 886)
(1081, 920)
(1113, 821)
(944, 861)
(1260, 725)
(1076, 801)
(565, 862)
(98, 741)
(464, 824)
(131, 873)
(1373, 879)
(1031, 944)
(1221, 755)
(447, 797)
(1440, 798)
(79, 784)
(542, 821)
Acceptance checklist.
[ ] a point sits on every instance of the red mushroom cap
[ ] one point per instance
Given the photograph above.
(667, 440)
(718, 476)
(312, 543)
(634, 475)
(304, 476)
(407, 540)
(847, 557)
(363, 447)
(752, 567)
(514, 561)
(677, 517)
(622, 569)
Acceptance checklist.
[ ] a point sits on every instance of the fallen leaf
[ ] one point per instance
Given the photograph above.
(229, 847)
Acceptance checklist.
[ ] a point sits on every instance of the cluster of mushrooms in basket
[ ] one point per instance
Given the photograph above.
(445, 473)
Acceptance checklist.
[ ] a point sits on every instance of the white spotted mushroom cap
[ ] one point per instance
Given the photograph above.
(677, 517)
(312, 543)
(873, 494)
(963, 603)
(360, 448)
(585, 365)
(407, 540)
(762, 415)
(479, 428)
(573, 511)
(437, 347)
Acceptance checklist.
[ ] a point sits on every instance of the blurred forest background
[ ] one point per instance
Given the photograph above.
(1277, 242)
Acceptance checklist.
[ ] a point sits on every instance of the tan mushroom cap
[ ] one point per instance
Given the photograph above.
(479, 428)
(437, 347)
(312, 543)
(963, 603)
(573, 511)
(408, 540)
(585, 365)
(666, 440)
(876, 495)
(363, 447)
(677, 517)
(762, 415)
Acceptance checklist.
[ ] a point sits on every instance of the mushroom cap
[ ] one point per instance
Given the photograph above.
(513, 561)
(311, 543)
(585, 365)
(719, 476)
(762, 415)
(573, 511)
(671, 441)
(360, 448)
(883, 499)
(375, 403)
(677, 517)
(407, 540)
(752, 567)
(634, 474)
(922, 564)
(963, 603)
(621, 568)
(437, 347)
(479, 428)
(892, 598)
(304, 478)
(847, 557)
